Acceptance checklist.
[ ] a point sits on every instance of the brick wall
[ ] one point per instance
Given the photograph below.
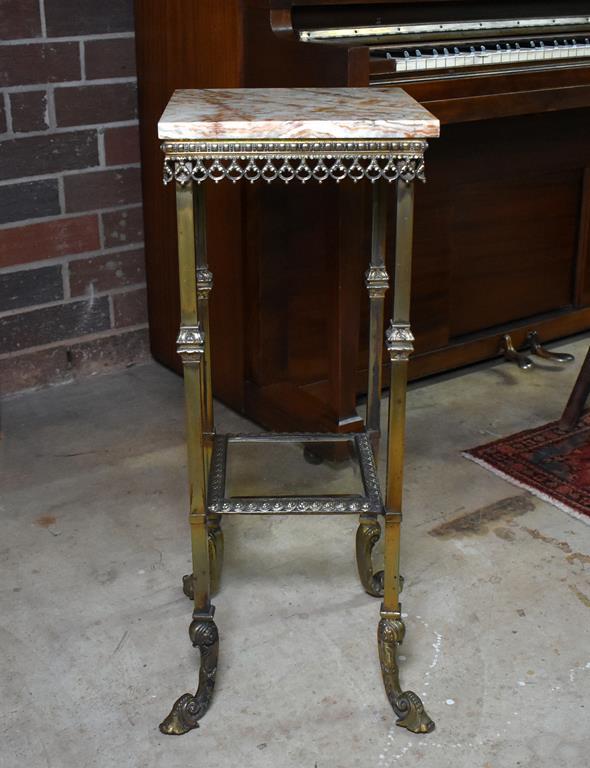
(72, 280)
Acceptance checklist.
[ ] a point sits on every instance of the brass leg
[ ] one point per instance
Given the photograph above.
(191, 344)
(204, 287)
(406, 704)
(189, 709)
(367, 536)
(215, 540)
(377, 282)
(215, 546)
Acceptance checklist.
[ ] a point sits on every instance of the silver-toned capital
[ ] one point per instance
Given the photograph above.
(204, 282)
(377, 282)
(399, 341)
(190, 343)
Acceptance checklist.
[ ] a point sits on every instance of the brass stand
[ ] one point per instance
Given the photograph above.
(209, 454)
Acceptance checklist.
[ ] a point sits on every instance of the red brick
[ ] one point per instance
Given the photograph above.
(29, 111)
(95, 104)
(122, 145)
(49, 153)
(27, 287)
(130, 308)
(102, 189)
(19, 19)
(28, 200)
(123, 227)
(33, 369)
(110, 58)
(71, 361)
(3, 125)
(48, 240)
(103, 273)
(39, 63)
(39, 327)
(88, 17)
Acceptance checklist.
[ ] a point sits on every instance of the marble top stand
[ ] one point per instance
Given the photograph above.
(305, 135)
(295, 135)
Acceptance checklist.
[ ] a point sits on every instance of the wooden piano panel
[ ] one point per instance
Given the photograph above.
(290, 255)
(511, 220)
(526, 268)
(502, 238)
(431, 273)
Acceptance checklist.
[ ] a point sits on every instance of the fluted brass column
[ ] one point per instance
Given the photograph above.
(376, 281)
(204, 288)
(406, 704)
(191, 346)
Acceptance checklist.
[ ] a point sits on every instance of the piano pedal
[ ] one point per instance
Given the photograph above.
(512, 355)
(535, 346)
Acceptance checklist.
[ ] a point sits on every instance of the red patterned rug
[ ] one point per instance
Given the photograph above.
(552, 464)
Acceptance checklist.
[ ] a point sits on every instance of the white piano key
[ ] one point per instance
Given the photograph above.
(481, 56)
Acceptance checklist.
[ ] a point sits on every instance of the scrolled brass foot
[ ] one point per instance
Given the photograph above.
(367, 535)
(189, 708)
(406, 704)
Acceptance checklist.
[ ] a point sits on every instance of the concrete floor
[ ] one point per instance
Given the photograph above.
(93, 624)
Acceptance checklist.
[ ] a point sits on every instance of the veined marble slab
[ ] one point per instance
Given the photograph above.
(296, 113)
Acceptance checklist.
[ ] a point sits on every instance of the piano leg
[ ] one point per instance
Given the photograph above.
(406, 704)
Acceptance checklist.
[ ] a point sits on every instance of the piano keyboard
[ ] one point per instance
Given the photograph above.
(426, 58)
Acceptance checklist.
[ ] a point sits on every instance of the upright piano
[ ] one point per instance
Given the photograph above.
(503, 224)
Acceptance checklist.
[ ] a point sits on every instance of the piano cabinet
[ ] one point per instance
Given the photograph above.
(502, 241)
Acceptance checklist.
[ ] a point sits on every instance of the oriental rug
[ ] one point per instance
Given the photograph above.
(547, 461)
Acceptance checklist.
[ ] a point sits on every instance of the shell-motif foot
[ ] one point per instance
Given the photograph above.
(189, 709)
(406, 704)
(183, 717)
(411, 713)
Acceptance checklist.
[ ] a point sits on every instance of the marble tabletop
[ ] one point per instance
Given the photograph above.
(296, 114)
